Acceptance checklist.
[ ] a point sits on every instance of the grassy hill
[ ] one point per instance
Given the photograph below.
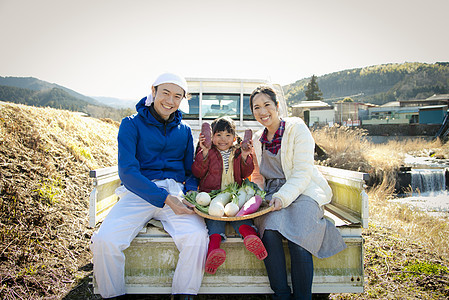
(45, 157)
(378, 84)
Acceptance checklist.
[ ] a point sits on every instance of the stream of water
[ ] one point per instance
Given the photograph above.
(434, 203)
(428, 182)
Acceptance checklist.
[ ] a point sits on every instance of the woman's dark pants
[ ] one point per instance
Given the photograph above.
(301, 268)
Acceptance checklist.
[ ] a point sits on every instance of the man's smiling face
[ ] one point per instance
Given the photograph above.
(167, 99)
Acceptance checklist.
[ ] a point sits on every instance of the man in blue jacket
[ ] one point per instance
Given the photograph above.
(155, 155)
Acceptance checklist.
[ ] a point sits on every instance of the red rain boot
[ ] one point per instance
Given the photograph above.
(252, 242)
(215, 255)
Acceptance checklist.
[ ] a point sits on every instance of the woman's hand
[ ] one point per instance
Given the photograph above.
(277, 203)
(179, 205)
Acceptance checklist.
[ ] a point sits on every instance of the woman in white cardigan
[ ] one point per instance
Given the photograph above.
(297, 190)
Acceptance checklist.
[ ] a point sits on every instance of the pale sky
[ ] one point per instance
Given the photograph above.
(116, 48)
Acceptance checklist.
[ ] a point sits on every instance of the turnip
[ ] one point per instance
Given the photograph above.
(231, 209)
(206, 130)
(190, 197)
(251, 206)
(203, 198)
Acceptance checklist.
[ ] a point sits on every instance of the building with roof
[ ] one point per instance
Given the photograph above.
(441, 99)
(408, 112)
(392, 113)
(314, 112)
(433, 114)
(350, 113)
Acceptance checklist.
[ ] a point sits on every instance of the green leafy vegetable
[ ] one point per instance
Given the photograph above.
(191, 196)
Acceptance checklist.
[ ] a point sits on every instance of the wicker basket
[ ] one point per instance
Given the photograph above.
(260, 212)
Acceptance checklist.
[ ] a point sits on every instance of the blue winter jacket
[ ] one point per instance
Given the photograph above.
(148, 149)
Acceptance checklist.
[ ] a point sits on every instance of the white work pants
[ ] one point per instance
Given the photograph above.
(124, 222)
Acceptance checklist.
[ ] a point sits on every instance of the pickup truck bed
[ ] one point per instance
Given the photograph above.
(149, 272)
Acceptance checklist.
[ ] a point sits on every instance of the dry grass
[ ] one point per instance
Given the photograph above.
(45, 156)
(348, 148)
(345, 147)
(431, 232)
(399, 238)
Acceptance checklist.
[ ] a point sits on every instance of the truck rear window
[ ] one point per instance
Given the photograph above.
(216, 105)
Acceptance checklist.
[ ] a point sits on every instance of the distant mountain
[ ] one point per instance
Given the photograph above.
(378, 84)
(35, 84)
(34, 92)
(116, 102)
(53, 97)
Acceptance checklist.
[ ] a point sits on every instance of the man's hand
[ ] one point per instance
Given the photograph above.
(179, 205)
(277, 203)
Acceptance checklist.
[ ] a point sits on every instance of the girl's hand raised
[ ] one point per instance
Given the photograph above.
(202, 146)
(248, 150)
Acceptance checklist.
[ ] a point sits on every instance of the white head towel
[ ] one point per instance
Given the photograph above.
(167, 78)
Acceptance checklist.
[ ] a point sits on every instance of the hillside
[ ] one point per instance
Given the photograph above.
(30, 87)
(39, 94)
(378, 84)
(54, 97)
(45, 156)
(34, 84)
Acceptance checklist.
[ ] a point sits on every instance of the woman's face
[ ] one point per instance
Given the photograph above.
(265, 110)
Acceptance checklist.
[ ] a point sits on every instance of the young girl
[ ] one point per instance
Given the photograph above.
(216, 167)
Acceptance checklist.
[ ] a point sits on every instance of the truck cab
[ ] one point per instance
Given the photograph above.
(211, 98)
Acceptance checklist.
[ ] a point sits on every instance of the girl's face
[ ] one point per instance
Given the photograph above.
(265, 111)
(223, 140)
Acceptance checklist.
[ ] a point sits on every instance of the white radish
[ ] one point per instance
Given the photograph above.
(203, 198)
(217, 205)
(242, 197)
